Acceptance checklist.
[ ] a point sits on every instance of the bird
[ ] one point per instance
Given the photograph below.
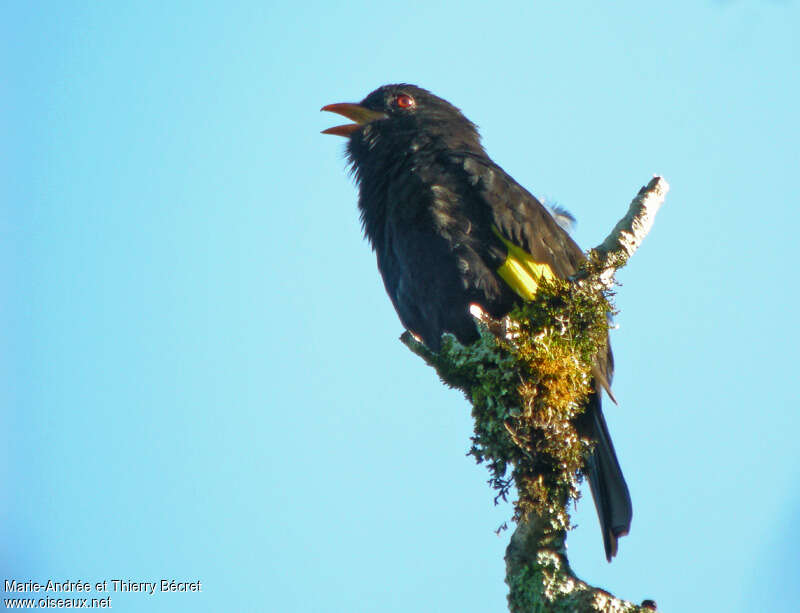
(452, 230)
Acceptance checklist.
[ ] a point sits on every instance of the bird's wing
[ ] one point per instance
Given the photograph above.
(536, 244)
(522, 221)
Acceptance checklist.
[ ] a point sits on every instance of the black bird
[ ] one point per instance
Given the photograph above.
(450, 229)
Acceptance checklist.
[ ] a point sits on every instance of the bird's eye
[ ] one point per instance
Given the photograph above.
(404, 101)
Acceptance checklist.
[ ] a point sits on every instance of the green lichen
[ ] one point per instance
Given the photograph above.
(527, 384)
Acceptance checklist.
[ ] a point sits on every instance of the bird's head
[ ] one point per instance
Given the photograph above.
(399, 119)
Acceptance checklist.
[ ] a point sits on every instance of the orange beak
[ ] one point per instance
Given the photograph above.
(361, 115)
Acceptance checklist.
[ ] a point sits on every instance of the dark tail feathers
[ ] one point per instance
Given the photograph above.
(609, 490)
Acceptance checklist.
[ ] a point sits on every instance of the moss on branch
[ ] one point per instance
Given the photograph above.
(527, 379)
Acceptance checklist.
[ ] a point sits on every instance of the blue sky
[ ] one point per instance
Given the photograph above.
(202, 379)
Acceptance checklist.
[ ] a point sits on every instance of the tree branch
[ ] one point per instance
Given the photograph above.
(527, 378)
(623, 241)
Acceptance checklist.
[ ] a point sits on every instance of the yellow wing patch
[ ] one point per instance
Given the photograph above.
(521, 271)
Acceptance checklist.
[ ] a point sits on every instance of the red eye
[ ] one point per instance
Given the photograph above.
(404, 101)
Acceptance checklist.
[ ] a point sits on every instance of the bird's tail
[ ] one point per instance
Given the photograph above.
(609, 490)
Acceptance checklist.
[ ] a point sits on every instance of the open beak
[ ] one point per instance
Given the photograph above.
(361, 115)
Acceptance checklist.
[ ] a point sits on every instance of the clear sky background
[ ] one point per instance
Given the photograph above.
(201, 373)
